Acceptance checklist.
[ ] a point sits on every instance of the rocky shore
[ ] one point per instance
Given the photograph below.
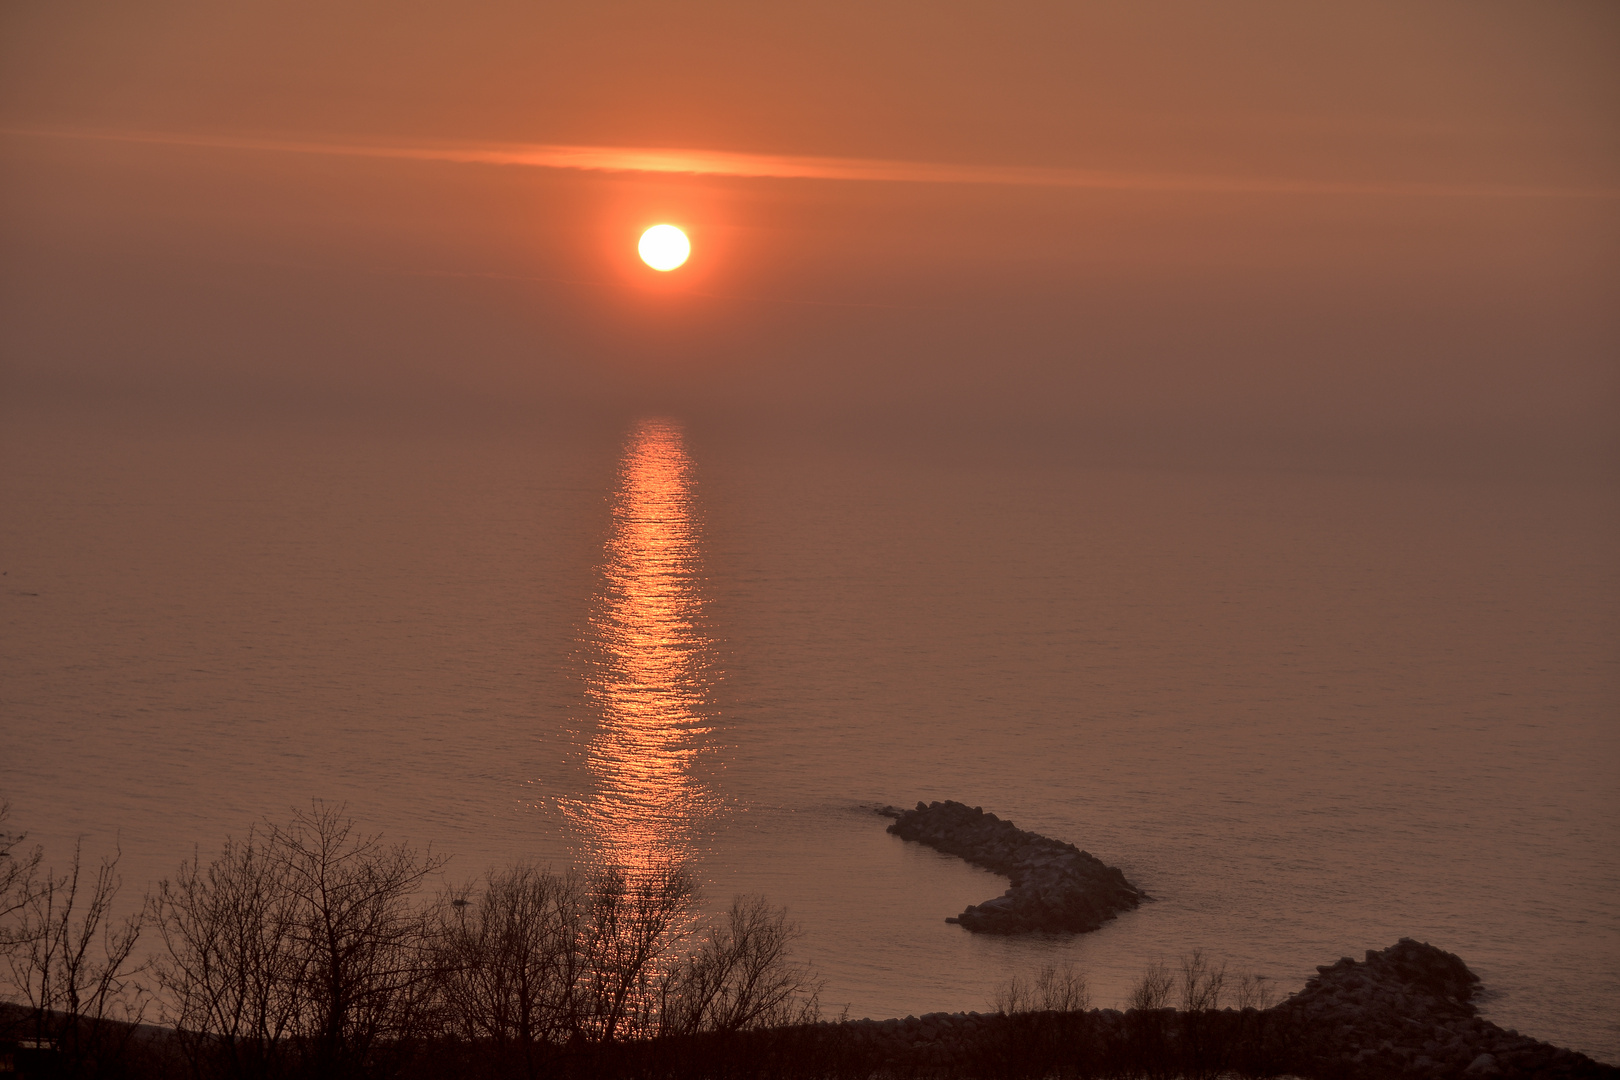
(1409, 1011)
(1056, 887)
(1404, 1012)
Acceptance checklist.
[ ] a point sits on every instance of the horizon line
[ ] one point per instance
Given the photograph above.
(804, 167)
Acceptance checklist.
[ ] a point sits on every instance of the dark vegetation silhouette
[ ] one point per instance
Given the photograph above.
(301, 950)
(15, 869)
(68, 959)
(310, 950)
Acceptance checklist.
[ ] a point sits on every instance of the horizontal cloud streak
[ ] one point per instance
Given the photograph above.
(790, 167)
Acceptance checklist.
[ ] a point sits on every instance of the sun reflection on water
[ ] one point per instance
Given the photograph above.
(649, 666)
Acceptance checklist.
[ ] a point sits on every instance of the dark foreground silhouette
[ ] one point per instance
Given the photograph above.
(309, 950)
(1404, 1012)
(1056, 887)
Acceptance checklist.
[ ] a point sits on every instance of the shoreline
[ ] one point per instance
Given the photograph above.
(1406, 1011)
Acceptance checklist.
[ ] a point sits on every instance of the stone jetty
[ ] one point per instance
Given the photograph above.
(1056, 887)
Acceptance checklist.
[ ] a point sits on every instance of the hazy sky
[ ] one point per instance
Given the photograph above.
(1356, 223)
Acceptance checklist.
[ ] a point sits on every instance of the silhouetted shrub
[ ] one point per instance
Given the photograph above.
(72, 962)
(309, 950)
(1041, 1026)
(300, 951)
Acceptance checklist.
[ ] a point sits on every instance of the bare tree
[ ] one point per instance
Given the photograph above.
(1258, 1045)
(1254, 992)
(1061, 989)
(741, 975)
(1042, 1026)
(1201, 983)
(362, 943)
(1205, 1043)
(18, 878)
(308, 950)
(231, 968)
(535, 960)
(302, 949)
(1053, 989)
(72, 962)
(536, 957)
(512, 961)
(1153, 992)
(632, 929)
(1148, 1030)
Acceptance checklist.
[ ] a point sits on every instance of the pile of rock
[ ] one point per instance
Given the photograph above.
(1409, 1011)
(1056, 887)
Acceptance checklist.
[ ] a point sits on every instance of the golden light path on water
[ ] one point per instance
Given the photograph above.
(648, 666)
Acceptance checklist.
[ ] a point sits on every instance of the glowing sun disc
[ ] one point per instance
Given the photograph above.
(664, 247)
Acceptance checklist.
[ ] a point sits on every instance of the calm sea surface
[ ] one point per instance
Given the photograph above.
(1310, 714)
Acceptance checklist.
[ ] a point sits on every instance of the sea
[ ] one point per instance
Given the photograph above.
(1309, 710)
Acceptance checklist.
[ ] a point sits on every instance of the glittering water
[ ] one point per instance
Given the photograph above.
(648, 666)
(1309, 713)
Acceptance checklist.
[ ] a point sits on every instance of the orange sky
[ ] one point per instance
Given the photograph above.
(1353, 222)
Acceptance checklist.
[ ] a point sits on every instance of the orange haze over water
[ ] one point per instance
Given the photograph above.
(1385, 231)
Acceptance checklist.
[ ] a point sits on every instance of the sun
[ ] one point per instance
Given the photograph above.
(664, 247)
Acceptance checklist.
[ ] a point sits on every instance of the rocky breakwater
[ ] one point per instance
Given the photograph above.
(1056, 887)
(1408, 1011)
